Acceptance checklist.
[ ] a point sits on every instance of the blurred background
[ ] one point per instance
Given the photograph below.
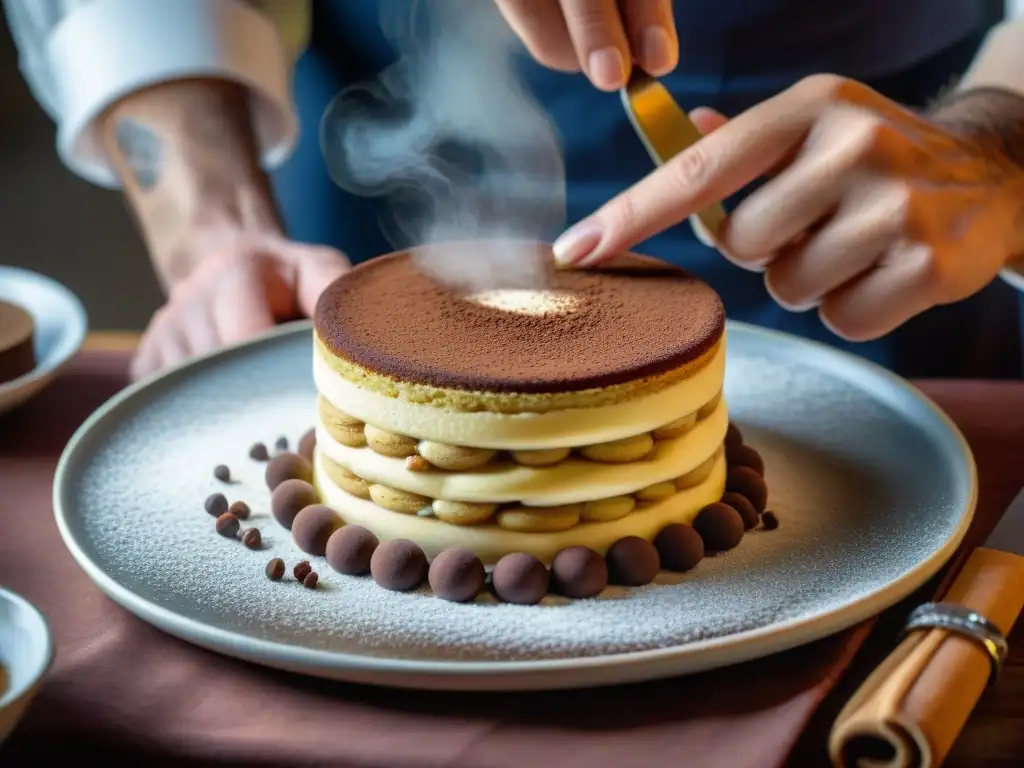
(56, 224)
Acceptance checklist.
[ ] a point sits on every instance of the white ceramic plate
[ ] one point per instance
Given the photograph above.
(874, 487)
(60, 328)
(26, 651)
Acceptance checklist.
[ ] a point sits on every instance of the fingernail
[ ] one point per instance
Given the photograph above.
(607, 68)
(659, 54)
(576, 243)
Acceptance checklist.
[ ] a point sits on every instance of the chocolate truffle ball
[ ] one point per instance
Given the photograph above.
(399, 565)
(741, 504)
(288, 498)
(745, 456)
(578, 572)
(457, 575)
(306, 445)
(733, 436)
(288, 466)
(349, 550)
(632, 562)
(275, 569)
(747, 482)
(227, 525)
(679, 547)
(313, 526)
(720, 526)
(520, 578)
(240, 509)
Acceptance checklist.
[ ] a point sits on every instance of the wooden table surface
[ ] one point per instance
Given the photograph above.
(993, 737)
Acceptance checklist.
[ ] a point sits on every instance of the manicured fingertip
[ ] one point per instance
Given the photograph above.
(577, 244)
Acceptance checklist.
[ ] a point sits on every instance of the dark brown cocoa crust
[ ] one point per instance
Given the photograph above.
(640, 318)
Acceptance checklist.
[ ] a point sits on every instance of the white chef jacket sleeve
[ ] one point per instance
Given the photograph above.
(79, 57)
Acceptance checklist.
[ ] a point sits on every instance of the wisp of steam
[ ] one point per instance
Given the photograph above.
(454, 143)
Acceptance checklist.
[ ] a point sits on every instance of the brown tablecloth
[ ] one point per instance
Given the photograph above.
(121, 690)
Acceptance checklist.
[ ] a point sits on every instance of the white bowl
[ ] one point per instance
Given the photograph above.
(60, 327)
(26, 651)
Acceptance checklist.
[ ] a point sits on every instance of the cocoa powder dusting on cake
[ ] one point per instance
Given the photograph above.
(620, 324)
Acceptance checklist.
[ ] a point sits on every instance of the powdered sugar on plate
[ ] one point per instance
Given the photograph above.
(867, 482)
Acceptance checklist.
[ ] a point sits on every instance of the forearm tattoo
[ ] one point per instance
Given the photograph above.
(189, 158)
(142, 150)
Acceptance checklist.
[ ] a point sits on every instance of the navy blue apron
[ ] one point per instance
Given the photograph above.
(734, 53)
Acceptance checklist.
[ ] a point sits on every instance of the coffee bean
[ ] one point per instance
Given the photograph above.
(258, 452)
(252, 538)
(770, 520)
(240, 510)
(222, 473)
(275, 569)
(216, 504)
(302, 569)
(310, 581)
(227, 525)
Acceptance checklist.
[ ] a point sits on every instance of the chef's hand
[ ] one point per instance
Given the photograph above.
(870, 213)
(241, 287)
(187, 155)
(600, 37)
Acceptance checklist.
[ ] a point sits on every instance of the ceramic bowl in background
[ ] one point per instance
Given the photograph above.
(26, 651)
(60, 328)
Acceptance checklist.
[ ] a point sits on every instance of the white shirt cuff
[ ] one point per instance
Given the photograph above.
(110, 48)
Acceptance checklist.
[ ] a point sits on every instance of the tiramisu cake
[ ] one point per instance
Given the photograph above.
(561, 438)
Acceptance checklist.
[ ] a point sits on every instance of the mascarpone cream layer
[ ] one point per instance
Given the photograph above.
(491, 542)
(571, 480)
(567, 428)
